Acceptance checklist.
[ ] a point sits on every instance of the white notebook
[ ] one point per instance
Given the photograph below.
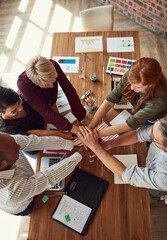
(127, 160)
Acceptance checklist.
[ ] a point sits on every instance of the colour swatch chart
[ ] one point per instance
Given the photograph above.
(118, 65)
(72, 213)
(88, 44)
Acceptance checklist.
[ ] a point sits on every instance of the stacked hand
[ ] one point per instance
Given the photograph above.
(88, 137)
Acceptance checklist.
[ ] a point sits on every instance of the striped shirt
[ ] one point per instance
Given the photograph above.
(154, 175)
(20, 184)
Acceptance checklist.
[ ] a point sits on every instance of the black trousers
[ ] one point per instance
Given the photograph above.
(155, 195)
(27, 211)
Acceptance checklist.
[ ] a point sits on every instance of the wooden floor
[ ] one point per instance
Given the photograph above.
(27, 31)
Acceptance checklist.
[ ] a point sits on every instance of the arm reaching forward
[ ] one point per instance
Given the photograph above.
(90, 139)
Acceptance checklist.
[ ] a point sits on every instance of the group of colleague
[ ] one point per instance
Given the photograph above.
(22, 117)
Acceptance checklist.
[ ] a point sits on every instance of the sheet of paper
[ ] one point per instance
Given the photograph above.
(72, 213)
(120, 44)
(127, 160)
(88, 44)
(121, 118)
(118, 66)
(62, 101)
(70, 117)
(50, 126)
(68, 64)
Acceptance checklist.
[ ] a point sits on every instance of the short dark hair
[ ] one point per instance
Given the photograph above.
(2, 156)
(163, 129)
(2, 153)
(8, 97)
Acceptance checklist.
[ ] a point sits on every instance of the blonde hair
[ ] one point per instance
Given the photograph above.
(41, 71)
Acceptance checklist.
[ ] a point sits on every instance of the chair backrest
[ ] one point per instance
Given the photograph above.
(97, 19)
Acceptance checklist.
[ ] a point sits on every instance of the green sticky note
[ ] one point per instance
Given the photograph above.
(44, 199)
(67, 218)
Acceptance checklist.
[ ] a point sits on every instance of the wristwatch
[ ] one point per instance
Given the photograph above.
(73, 136)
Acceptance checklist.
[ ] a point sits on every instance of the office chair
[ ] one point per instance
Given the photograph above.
(97, 19)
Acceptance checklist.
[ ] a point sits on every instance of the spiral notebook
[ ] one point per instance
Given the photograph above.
(78, 205)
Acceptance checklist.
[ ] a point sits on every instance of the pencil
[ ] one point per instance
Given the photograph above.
(87, 57)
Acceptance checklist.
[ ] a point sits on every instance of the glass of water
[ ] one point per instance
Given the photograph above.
(81, 72)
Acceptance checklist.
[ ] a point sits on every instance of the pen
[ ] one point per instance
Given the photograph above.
(87, 57)
(89, 101)
(63, 105)
(112, 82)
(93, 102)
(56, 195)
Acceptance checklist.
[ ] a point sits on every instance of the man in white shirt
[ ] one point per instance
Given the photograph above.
(154, 175)
(18, 182)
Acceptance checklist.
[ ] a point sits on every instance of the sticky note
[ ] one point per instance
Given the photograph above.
(44, 199)
(67, 218)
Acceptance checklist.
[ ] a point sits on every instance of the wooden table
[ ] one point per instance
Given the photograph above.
(124, 213)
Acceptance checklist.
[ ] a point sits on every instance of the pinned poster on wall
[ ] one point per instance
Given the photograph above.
(118, 65)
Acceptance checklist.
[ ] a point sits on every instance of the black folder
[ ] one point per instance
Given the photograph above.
(78, 205)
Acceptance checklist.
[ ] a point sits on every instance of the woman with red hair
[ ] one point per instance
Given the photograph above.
(145, 86)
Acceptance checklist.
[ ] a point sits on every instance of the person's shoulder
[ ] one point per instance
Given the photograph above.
(23, 79)
(143, 133)
(23, 75)
(159, 96)
(25, 104)
(157, 100)
(53, 62)
(125, 76)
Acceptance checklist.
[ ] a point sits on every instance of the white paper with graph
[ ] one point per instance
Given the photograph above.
(72, 213)
(88, 44)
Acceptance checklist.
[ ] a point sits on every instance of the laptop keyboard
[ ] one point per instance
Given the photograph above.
(122, 101)
(54, 160)
(61, 184)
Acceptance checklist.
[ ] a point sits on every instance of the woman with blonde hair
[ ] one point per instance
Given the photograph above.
(145, 86)
(39, 87)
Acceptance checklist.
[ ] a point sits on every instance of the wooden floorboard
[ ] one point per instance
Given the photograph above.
(151, 45)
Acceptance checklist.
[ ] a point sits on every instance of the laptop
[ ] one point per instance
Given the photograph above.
(49, 161)
(123, 104)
